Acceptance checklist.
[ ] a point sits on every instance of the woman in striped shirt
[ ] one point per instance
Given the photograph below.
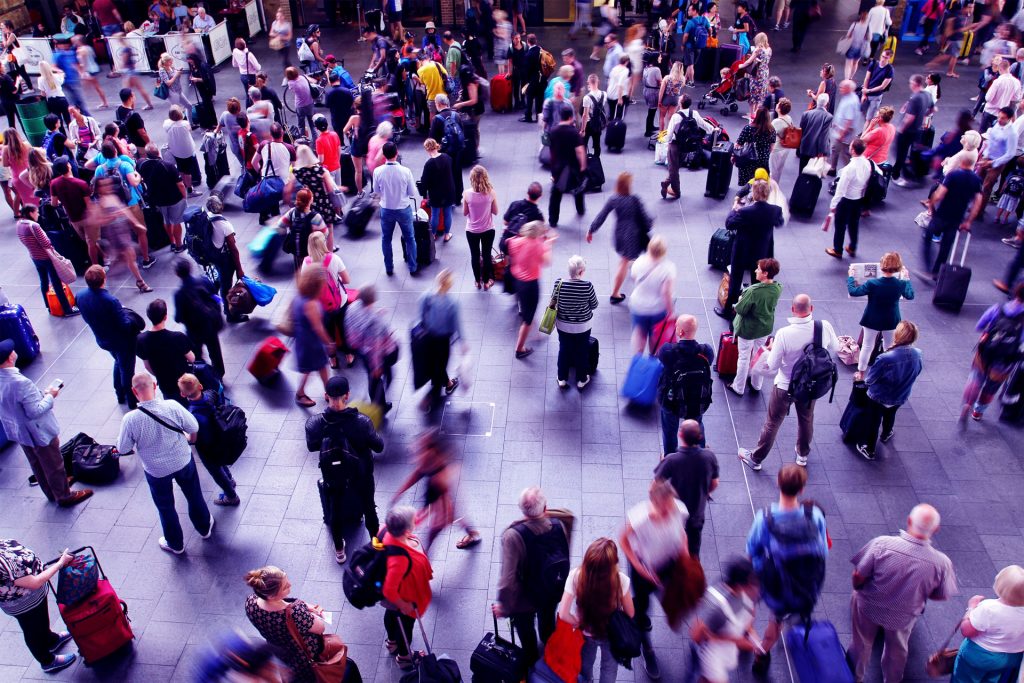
(38, 245)
(575, 301)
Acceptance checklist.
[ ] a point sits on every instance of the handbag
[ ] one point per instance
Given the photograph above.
(745, 154)
(265, 196)
(712, 41)
(244, 183)
(132, 321)
(562, 653)
(65, 269)
(329, 669)
(844, 44)
(623, 638)
(547, 321)
(161, 91)
(261, 292)
(283, 321)
(849, 350)
(940, 663)
(77, 579)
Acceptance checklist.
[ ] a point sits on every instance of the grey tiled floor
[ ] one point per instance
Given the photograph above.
(513, 427)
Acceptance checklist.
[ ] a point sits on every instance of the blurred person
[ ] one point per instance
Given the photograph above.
(652, 298)
(632, 229)
(311, 338)
(995, 356)
(692, 470)
(439, 314)
(117, 222)
(530, 252)
(724, 625)
(334, 296)
(369, 336)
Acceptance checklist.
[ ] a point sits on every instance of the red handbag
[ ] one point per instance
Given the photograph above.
(562, 653)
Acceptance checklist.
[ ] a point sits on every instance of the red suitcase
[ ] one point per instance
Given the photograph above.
(264, 364)
(728, 355)
(501, 93)
(98, 624)
(663, 333)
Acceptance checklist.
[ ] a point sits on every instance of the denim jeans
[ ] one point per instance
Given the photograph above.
(248, 81)
(435, 218)
(75, 96)
(47, 277)
(670, 431)
(162, 490)
(305, 115)
(403, 218)
(220, 473)
(124, 369)
(609, 667)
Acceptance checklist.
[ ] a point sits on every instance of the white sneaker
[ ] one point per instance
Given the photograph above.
(210, 531)
(562, 384)
(747, 458)
(585, 382)
(801, 460)
(164, 545)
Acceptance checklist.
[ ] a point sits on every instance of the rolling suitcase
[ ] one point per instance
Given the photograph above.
(817, 654)
(719, 171)
(1013, 398)
(728, 355)
(615, 135)
(641, 385)
(425, 249)
(853, 423)
(720, 248)
(595, 354)
(805, 195)
(15, 325)
(358, 217)
(926, 137)
(727, 54)
(53, 304)
(219, 168)
(498, 660)
(595, 174)
(155, 230)
(501, 93)
(953, 281)
(967, 45)
(264, 365)
(471, 152)
(544, 157)
(348, 172)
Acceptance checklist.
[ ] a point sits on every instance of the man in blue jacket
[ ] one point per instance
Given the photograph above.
(104, 315)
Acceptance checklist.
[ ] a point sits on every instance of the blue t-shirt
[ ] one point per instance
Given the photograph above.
(690, 29)
(67, 62)
(123, 166)
(962, 186)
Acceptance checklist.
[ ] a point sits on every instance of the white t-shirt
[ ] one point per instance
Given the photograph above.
(570, 588)
(657, 544)
(647, 297)
(592, 96)
(335, 266)
(221, 229)
(1002, 626)
(780, 124)
(282, 158)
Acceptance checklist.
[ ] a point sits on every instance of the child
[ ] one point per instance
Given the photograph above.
(723, 75)
(1008, 200)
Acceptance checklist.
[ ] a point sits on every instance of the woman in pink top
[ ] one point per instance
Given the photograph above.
(15, 157)
(878, 135)
(529, 252)
(480, 205)
(375, 153)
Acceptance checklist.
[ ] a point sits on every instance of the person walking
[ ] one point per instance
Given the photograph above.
(848, 202)
(593, 592)
(394, 183)
(784, 352)
(882, 314)
(575, 301)
(846, 121)
(632, 229)
(993, 630)
(437, 185)
(406, 590)
(724, 625)
(480, 206)
(165, 353)
(34, 239)
(652, 298)
(334, 296)
(248, 66)
(955, 204)
(754, 225)
(368, 335)
(693, 472)
(313, 345)
(909, 130)
(815, 126)
(28, 420)
(344, 436)
(114, 332)
(686, 132)
(23, 588)
(525, 592)
(196, 308)
(893, 578)
(439, 315)
(684, 389)
(202, 405)
(997, 353)
(781, 155)
(890, 380)
(160, 433)
(568, 166)
(754, 322)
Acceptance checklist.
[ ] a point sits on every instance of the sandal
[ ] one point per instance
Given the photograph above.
(333, 360)
(488, 284)
(469, 540)
(391, 645)
(143, 287)
(448, 237)
(304, 401)
(953, 75)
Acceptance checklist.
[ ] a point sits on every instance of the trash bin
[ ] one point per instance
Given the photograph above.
(31, 110)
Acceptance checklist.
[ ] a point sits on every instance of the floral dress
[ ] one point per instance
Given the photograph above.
(273, 626)
(759, 74)
(762, 150)
(312, 178)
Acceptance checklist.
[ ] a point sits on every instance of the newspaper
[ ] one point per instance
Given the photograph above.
(862, 272)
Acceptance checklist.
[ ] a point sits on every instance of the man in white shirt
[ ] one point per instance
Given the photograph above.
(677, 148)
(783, 353)
(845, 121)
(394, 183)
(845, 208)
(1000, 150)
(1004, 91)
(161, 433)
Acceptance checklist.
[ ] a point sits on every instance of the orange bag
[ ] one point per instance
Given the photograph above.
(563, 650)
(54, 305)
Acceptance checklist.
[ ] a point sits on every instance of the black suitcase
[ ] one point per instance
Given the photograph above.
(544, 157)
(926, 138)
(358, 217)
(217, 170)
(155, 230)
(855, 421)
(497, 660)
(615, 135)
(425, 249)
(719, 171)
(471, 152)
(348, 172)
(1013, 398)
(878, 188)
(595, 354)
(805, 195)
(720, 249)
(595, 174)
(951, 286)
(706, 69)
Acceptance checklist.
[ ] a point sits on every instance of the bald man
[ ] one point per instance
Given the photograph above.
(783, 353)
(893, 578)
(684, 390)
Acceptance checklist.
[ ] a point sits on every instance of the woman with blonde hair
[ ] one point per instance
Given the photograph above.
(882, 314)
(15, 157)
(756, 66)
(993, 631)
(437, 184)
(632, 229)
(651, 300)
(311, 337)
(38, 174)
(334, 296)
(51, 84)
(889, 382)
(375, 148)
(668, 96)
(593, 592)
(529, 252)
(171, 77)
(479, 206)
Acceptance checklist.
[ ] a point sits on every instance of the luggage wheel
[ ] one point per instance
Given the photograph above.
(734, 107)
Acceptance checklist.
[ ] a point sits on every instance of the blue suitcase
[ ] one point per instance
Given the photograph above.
(817, 654)
(641, 385)
(15, 325)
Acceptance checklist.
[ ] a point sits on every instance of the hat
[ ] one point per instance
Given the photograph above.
(6, 349)
(337, 386)
(330, 58)
(759, 174)
(430, 25)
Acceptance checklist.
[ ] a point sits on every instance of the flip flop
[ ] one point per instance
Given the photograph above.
(304, 401)
(468, 541)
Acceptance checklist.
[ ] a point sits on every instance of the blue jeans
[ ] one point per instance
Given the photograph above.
(388, 219)
(304, 116)
(163, 495)
(124, 369)
(220, 473)
(646, 323)
(110, 29)
(248, 81)
(670, 431)
(435, 217)
(47, 277)
(75, 96)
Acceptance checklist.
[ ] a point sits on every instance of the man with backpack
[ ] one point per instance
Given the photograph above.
(202, 404)
(130, 122)
(210, 240)
(595, 114)
(534, 565)
(693, 472)
(695, 39)
(684, 390)
(446, 129)
(998, 352)
(196, 308)
(686, 130)
(165, 191)
(788, 545)
(801, 356)
(346, 441)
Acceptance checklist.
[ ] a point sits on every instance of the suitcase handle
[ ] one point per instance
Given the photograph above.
(963, 254)
(78, 551)
(511, 631)
(423, 632)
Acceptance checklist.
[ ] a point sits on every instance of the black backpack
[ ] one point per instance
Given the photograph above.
(546, 566)
(598, 114)
(231, 436)
(687, 386)
(199, 236)
(363, 579)
(815, 373)
(793, 573)
(299, 231)
(1001, 343)
(689, 136)
(343, 473)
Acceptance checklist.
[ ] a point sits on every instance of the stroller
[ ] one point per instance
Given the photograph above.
(733, 88)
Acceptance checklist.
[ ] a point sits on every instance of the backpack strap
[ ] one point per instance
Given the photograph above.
(818, 333)
(163, 423)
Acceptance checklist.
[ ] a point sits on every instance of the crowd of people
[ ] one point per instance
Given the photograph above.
(118, 197)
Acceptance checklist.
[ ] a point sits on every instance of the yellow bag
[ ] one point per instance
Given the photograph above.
(370, 410)
(966, 45)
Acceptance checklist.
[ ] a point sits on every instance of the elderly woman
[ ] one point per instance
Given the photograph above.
(890, 379)
(406, 587)
(882, 314)
(993, 632)
(375, 147)
(651, 300)
(575, 301)
(529, 252)
(632, 229)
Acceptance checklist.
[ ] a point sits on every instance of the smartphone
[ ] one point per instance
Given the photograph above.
(57, 384)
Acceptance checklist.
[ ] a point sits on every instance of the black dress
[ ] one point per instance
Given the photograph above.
(273, 626)
(762, 149)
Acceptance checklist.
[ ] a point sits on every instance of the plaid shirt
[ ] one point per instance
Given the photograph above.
(161, 451)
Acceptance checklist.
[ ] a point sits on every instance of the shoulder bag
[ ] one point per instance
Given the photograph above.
(265, 196)
(330, 669)
(547, 321)
(940, 663)
(163, 423)
(791, 137)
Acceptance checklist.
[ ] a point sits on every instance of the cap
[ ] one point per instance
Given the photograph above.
(759, 174)
(6, 349)
(330, 58)
(337, 386)
(430, 25)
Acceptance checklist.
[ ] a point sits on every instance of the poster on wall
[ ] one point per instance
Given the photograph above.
(220, 45)
(120, 48)
(32, 52)
(252, 17)
(179, 46)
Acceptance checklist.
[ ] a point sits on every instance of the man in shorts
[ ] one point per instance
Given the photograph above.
(692, 47)
(166, 191)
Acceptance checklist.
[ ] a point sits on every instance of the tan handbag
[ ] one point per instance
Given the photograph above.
(940, 664)
(331, 667)
(723, 290)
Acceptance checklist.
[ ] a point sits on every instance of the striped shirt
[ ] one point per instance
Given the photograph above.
(902, 573)
(161, 451)
(576, 303)
(34, 239)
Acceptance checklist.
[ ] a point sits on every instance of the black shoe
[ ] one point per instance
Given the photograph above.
(887, 436)
(650, 662)
(726, 313)
(761, 664)
(526, 119)
(234, 319)
(864, 452)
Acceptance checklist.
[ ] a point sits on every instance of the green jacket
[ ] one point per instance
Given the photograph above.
(755, 311)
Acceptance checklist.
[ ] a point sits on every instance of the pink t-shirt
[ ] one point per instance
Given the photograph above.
(527, 257)
(479, 217)
(374, 156)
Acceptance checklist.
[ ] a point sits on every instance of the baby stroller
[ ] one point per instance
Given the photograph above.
(732, 89)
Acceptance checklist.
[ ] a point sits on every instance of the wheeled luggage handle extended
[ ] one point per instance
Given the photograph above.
(963, 254)
(92, 550)
(511, 631)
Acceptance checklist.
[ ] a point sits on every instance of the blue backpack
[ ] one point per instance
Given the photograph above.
(453, 141)
(793, 572)
(701, 31)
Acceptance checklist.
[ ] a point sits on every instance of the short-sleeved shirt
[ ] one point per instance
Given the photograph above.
(564, 140)
(280, 156)
(527, 257)
(962, 186)
(328, 146)
(165, 350)
(524, 207)
(1001, 626)
(657, 544)
(222, 229)
(647, 297)
(162, 180)
(303, 94)
(480, 218)
(877, 75)
(432, 75)
(690, 470)
(16, 562)
(570, 589)
(133, 123)
(917, 106)
(73, 194)
(123, 167)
